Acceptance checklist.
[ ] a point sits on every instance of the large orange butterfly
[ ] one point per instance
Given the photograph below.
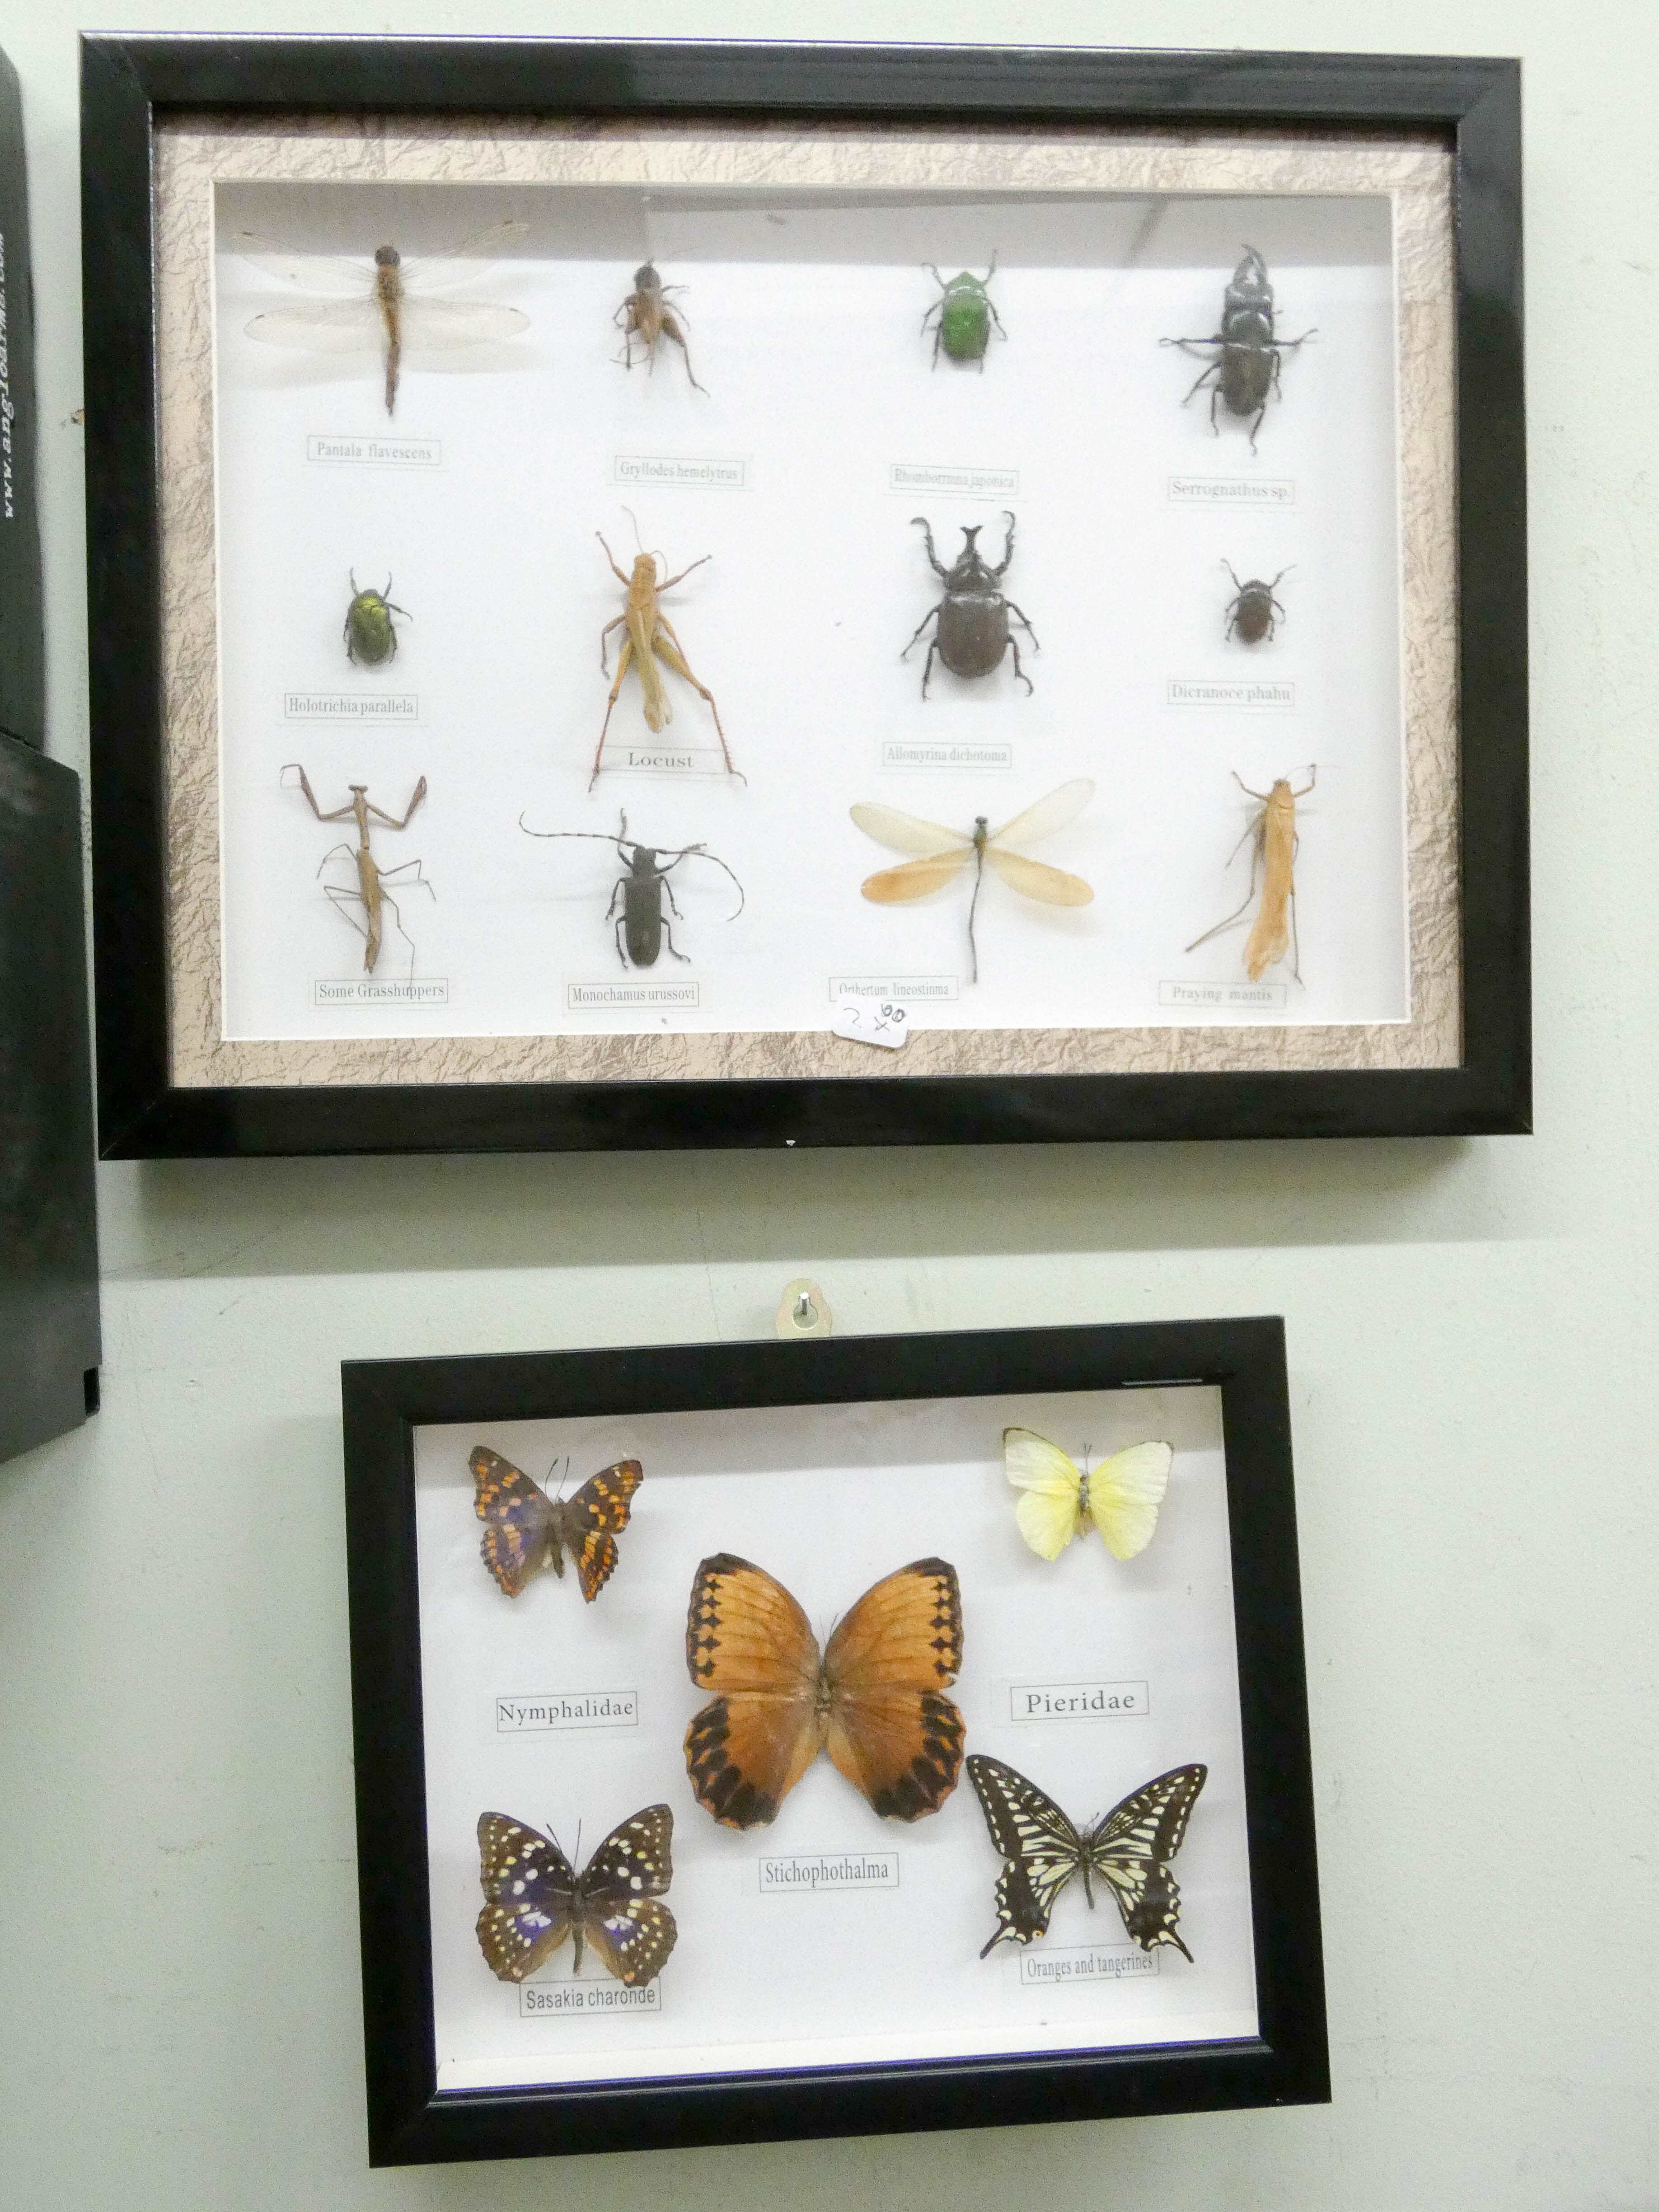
(526, 1530)
(874, 1697)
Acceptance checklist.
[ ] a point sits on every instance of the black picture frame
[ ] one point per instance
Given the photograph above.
(383, 1403)
(128, 82)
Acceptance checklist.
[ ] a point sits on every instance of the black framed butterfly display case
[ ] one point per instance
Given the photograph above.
(856, 1735)
(543, 701)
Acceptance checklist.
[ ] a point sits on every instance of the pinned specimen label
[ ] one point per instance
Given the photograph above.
(1101, 1963)
(369, 991)
(809, 1873)
(882, 1021)
(899, 753)
(1220, 998)
(351, 706)
(905, 988)
(565, 2000)
(622, 997)
(1224, 691)
(378, 453)
(1232, 491)
(965, 483)
(711, 473)
(539, 1712)
(1078, 1701)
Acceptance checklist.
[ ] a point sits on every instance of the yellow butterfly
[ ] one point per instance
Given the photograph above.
(1122, 1497)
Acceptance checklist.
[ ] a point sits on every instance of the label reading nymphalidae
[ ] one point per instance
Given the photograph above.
(1099, 1963)
(1077, 1701)
(536, 1712)
(1232, 491)
(809, 1874)
(1220, 998)
(380, 451)
(567, 2000)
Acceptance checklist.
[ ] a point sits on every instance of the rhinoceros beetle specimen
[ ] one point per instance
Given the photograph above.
(971, 632)
(1243, 373)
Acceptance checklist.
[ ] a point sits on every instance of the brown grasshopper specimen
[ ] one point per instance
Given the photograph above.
(371, 892)
(650, 639)
(650, 319)
(1274, 830)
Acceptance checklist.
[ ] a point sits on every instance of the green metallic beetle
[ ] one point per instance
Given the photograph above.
(370, 633)
(965, 315)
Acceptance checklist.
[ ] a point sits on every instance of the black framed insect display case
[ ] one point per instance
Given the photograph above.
(847, 1736)
(1123, 673)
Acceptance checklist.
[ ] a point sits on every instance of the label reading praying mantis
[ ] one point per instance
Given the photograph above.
(884, 1022)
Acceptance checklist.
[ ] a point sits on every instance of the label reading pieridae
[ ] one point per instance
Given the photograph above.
(378, 453)
(1245, 692)
(351, 707)
(1222, 997)
(1232, 491)
(667, 470)
(538, 1712)
(902, 753)
(966, 483)
(565, 2000)
(1077, 1701)
(627, 997)
(809, 1874)
(375, 991)
(1101, 1962)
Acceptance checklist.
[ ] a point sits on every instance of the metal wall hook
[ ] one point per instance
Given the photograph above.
(804, 1310)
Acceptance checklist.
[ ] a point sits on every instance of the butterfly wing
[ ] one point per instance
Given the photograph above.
(530, 1897)
(746, 1637)
(588, 1521)
(1133, 1846)
(521, 1525)
(620, 1917)
(1042, 1849)
(1125, 1492)
(1051, 1485)
(891, 1731)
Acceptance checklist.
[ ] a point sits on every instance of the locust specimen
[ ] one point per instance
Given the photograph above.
(370, 893)
(946, 851)
(646, 314)
(649, 638)
(1243, 371)
(385, 309)
(1274, 852)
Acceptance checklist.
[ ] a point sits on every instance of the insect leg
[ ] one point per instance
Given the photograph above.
(668, 893)
(1261, 416)
(670, 323)
(668, 648)
(1233, 920)
(995, 317)
(415, 798)
(605, 650)
(1021, 614)
(669, 582)
(343, 900)
(1008, 542)
(914, 634)
(1013, 648)
(668, 939)
(623, 660)
(339, 814)
(1203, 376)
(611, 558)
(1264, 796)
(927, 537)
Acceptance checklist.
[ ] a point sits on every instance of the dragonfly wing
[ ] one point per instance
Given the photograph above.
(1052, 885)
(440, 325)
(311, 272)
(1048, 814)
(321, 325)
(915, 880)
(469, 263)
(905, 833)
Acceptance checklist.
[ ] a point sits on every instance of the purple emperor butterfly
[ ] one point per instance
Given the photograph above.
(526, 1530)
(535, 1901)
(1130, 1850)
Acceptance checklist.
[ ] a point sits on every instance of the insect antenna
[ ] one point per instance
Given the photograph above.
(703, 854)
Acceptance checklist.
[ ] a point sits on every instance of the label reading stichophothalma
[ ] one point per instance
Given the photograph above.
(809, 1874)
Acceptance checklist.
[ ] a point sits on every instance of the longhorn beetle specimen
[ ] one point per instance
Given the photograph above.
(1253, 607)
(370, 893)
(650, 638)
(1274, 830)
(370, 633)
(1244, 371)
(965, 314)
(642, 925)
(650, 319)
(971, 634)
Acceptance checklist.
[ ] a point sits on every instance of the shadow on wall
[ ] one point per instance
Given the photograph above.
(181, 1218)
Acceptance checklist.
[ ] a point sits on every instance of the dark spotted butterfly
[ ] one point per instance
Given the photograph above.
(526, 1530)
(1129, 1849)
(873, 1698)
(535, 1901)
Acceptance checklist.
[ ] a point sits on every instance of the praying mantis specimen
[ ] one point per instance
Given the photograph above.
(946, 851)
(370, 893)
(650, 639)
(1273, 830)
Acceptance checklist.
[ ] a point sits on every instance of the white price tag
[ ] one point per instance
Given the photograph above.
(882, 1021)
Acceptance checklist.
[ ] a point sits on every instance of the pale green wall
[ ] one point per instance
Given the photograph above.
(1472, 1337)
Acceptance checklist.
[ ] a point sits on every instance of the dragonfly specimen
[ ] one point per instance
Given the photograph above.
(947, 851)
(387, 306)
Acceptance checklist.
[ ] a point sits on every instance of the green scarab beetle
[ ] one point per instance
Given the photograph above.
(370, 633)
(965, 315)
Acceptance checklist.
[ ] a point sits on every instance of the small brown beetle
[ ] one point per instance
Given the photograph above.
(1252, 611)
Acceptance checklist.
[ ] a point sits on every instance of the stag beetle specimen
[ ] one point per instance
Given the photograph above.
(641, 926)
(971, 634)
(1244, 372)
(1253, 607)
(966, 313)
